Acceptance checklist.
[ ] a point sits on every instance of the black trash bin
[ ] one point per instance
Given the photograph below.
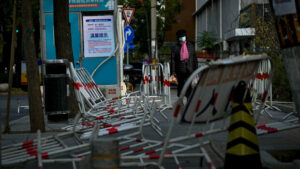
(56, 90)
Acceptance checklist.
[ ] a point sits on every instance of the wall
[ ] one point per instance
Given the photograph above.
(184, 20)
(230, 15)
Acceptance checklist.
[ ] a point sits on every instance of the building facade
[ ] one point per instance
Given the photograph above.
(184, 20)
(232, 22)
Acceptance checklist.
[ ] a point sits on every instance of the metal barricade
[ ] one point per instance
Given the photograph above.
(90, 86)
(156, 81)
(139, 151)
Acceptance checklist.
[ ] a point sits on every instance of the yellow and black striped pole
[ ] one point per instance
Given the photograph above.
(242, 150)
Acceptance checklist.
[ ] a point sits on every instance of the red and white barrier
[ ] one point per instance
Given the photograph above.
(156, 82)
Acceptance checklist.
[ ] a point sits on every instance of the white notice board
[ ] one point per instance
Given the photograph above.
(98, 34)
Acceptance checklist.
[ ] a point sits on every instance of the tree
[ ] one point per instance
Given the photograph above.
(270, 44)
(34, 93)
(166, 11)
(63, 43)
(206, 40)
(10, 79)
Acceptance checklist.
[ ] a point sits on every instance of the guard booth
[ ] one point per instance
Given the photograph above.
(96, 35)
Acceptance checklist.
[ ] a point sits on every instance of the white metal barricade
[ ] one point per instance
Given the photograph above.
(156, 82)
(210, 100)
(110, 112)
(260, 88)
(63, 146)
(60, 144)
(89, 85)
(91, 100)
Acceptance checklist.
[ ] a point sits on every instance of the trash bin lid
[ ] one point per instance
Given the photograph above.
(54, 61)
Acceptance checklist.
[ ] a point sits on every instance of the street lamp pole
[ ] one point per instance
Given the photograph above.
(153, 29)
(147, 23)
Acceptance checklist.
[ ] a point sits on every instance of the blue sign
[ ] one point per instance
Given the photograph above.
(131, 47)
(128, 34)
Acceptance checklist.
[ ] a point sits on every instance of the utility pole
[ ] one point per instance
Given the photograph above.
(153, 29)
(147, 23)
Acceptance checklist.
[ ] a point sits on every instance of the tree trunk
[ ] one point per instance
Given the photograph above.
(34, 92)
(63, 43)
(10, 78)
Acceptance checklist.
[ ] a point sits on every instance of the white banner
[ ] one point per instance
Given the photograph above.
(98, 36)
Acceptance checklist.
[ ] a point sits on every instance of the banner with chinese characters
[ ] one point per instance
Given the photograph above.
(98, 36)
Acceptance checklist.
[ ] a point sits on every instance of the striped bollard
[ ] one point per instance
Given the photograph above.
(105, 154)
(242, 150)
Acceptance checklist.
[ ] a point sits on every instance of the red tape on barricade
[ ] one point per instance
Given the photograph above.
(146, 80)
(107, 125)
(111, 111)
(77, 86)
(87, 124)
(262, 76)
(124, 148)
(198, 106)
(138, 150)
(94, 85)
(99, 118)
(266, 75)
(176, 110)
(112, 130)
(264, 96)
(167, 83)
(198, 135)
(259, 76)
(45, 156)
(31, 151)
(268, 129)
(154, 156)
(150, 152)
(27, 144)
(215, 98)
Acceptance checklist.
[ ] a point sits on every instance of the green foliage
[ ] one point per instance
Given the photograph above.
(206, 40)
(266, 40)
(166, 11)
(280, 84)
(164, 54)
